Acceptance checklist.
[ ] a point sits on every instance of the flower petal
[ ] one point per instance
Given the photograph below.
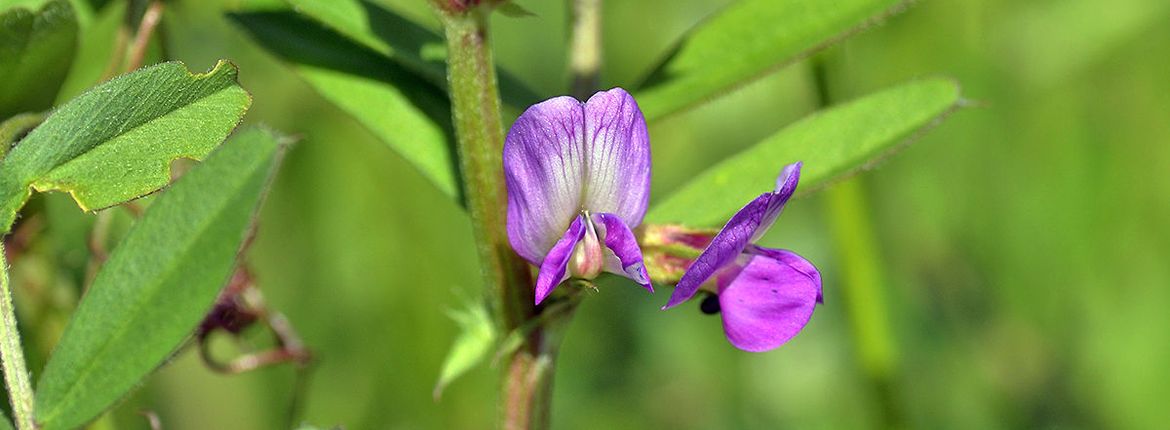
(745, 227)
(543, 164)
(785, 186)
(797, 262)
(723, 250)
(767, 303)
(555, 268)
(617, 148)
(788, 178)
(628, 256)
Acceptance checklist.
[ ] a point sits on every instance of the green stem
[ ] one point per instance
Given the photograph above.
(527, 372)
(151, 18)
(20, 390)
(585, 47)
(480, 142)
(14, 128)
(863, 292)
(863, 286)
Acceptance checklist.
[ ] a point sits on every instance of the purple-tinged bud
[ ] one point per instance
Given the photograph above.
(233, 312)
(678, 235)
(670, 249)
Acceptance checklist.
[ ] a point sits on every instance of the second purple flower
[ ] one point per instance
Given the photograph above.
(578, 178)
(766, 296)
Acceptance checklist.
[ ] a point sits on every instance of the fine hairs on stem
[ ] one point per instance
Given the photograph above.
(528, 371)
(15, 370)
(479, 133)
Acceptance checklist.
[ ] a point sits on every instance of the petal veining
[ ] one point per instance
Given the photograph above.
(617, 161)
(543, 165)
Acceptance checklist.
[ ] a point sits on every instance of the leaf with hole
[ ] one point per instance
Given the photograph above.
(115, 142)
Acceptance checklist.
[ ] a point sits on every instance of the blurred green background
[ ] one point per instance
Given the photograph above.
(1021, 246)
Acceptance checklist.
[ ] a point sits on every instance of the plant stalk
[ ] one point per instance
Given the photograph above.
(863, 286)
(150, 19)
(13, 129)
(525, 391)
(585, 47)
(20, 390)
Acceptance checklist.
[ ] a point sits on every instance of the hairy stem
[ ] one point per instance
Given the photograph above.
(20, 390)
(480, 142)
(863, 282)
(527, 371)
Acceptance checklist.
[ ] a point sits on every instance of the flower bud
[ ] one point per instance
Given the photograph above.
(669, 249)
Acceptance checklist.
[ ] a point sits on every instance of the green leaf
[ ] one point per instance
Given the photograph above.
(94, 50)
(407, 113)
(27, 4)
(379, 29)
(384, 70)
(158, 283)
(116, 142)
(400, 39)
(747, 40)
(476, 338)
(831, 143)
(36, 49)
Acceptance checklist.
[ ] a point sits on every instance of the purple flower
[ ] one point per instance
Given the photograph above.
(766, 296)
(578, 177)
